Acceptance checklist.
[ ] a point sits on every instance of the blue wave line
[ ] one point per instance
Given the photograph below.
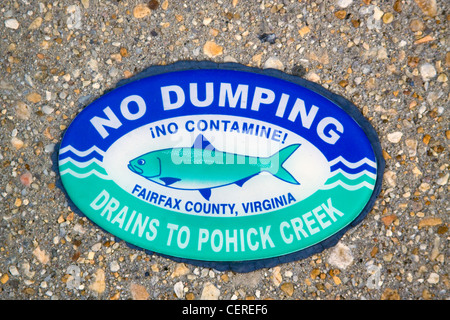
(363, 167)
(78, 158)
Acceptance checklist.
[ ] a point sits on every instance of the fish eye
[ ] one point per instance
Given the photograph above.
(141, 162)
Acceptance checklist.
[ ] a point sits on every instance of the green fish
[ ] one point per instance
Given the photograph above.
(202, 167)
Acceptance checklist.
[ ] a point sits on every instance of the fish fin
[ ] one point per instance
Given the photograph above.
(241, 182)
(168, 180)
(202, 143)
(206, 193)
(285, 153)
(284, 175)
(280, 172)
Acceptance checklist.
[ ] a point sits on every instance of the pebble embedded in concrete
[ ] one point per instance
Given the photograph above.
(386, 57)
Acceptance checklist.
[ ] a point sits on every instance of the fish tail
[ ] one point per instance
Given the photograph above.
(279, 158)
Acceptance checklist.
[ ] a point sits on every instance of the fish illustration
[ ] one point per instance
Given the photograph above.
(202, 167)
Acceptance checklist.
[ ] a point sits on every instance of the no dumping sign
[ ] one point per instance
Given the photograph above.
(222, 165)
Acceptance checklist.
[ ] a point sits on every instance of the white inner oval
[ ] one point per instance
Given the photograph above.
(307, 164)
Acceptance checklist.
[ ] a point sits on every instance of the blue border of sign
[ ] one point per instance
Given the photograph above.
(344, 104)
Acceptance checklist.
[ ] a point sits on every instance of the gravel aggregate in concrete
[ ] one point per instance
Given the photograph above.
(390, 58)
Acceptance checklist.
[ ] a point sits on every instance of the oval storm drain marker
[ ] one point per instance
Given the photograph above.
(222, 165)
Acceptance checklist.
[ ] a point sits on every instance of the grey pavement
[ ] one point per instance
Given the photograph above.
(390, 58)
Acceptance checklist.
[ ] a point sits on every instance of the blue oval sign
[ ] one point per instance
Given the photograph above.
(222, 165)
